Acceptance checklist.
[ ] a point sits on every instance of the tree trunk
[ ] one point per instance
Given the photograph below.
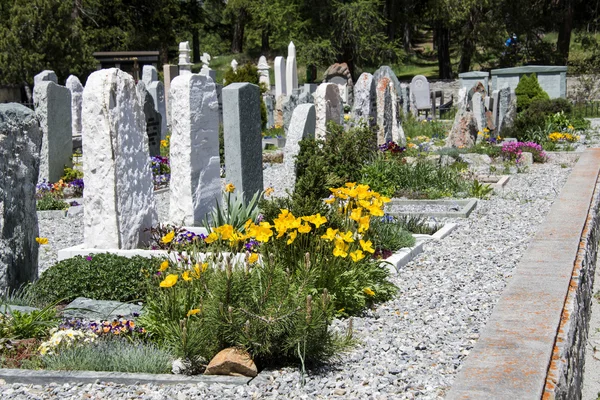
(406, 37)
(467, 48)
(564, 33)
(390, 15)
(195, 46)
(265, 46)
(237, 44)
(443, 47)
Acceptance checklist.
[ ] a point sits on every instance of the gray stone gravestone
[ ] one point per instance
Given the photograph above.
(293, 101)
(328, 107)
(479, 114)
(302, 126)
(119, 204)
(169, 73)
(195, 166)
(76, 88)
(339, 74)
(153, 119)
(364, 107)
(45, 76)
(280, 78)
(495, 103)
(149, 74)
(384, 91)
(157, 91)
(243, 139)
(507, 109)
(52, 104)
(291, 72)
(20, 145)
(270, 106)
(263, 72)
(420, 94)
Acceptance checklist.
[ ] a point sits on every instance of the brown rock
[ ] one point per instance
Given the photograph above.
(464, 131)
(232, 361)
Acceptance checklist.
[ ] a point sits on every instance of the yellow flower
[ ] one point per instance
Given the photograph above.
(269, 191)
(186, 276)
(253, 258)
(356, 214)
(411, 145)
(304, 228)
(318, 220)
(570, 127)
(486, 130)
(229, 188)
(169, 281)
(330, 235)
(367, 246)
(199, 269)
(347, 237)
(369, 292)
(346, 117)
(340, 249)
(41, 240)
(479, 133)
(263, 232)
(363, 224)
(164, 143)
(329, 200)
(193, 312)
(168, 238)
(213, 236)
(357, 255)
(164, 265)
(226, 231)
(291, 237)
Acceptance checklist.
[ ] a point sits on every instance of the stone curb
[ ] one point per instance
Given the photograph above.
(53, 214)
(464, 212)
(43, 377)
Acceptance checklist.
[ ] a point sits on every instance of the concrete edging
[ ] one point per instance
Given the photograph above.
(518, 355)
(468, 205)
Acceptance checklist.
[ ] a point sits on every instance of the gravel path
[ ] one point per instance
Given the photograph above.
(410, 347)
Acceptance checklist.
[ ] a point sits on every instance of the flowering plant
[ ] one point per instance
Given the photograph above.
(161, 171)
(513, 151)
(65, 338)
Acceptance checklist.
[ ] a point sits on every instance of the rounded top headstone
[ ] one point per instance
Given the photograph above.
(262, 63)
(74, 84)
(291, 50)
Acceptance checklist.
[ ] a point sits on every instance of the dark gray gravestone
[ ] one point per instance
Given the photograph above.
(20, 145)
(153, 119)
(243, 139)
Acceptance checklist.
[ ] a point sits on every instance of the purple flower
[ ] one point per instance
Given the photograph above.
(89, 258)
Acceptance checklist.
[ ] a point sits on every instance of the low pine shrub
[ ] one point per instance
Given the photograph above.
(97, 276)
(529, 90)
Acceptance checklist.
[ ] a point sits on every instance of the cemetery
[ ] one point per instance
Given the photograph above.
(165, 233)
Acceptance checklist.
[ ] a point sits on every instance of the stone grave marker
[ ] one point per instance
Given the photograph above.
(46, 75)
(339, 73)
(293, 101)
(291, 71)
(420, 94)
(185, 66)
(280, 77)
(149, 74)
(234, 65)
(206, 69)
(195, 166)
(270, 106)
(507, 109)
(20, 145)
(76, 88)
(169, 73)
(328, 107)
(479, 114)
(495, 103)
(263, 72)
(153, 119)
(157, 91)
(302, 126)
(364, 107)
(119, 193)
(385, 87)
(52, 105)
(243, 139)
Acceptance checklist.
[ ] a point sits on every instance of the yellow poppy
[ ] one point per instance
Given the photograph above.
(269, 191)
(330, 235)
(357, 255)
(169, 281)
(229, 188)
(213, 236)
(291, 237)
(193, 312)
(164, 265)
(186, 276)
(367, 246)
(41, 240)
(356, 214)
(253, 258)
(347, 237)
(304, 228)
(168, 238)
(318, 220)
(369, 292)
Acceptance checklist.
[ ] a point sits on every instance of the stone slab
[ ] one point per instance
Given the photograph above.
(512, 356)
(467, 207)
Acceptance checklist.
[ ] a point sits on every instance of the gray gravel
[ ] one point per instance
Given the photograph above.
(410, 347)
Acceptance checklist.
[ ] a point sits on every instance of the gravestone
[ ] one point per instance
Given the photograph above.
(45, 76)
(185, 66)
(280, 78)
(52, 105)
(420, 94)
(243, 139)
(310, 87)
(153, 119)
(263, 72)
(194, 159)
(384, 90)
(495, 106)
(76, 89)
(119, 193)
(302, 126)
(364, 107)
(464, 130)
(479, 114)
(293, 101)
(206, 70)
(291, 72)
(234, 65)
(270, 106)
(339, 73)
(157, 91)
(20, 145)
(328, 107)
(405, 99)
(507, 109)
(169, 73)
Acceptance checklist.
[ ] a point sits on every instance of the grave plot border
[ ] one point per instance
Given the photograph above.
(468, 205)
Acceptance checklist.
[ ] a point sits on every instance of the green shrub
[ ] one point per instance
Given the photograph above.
(529, 90)
(389, 235)
(111, 354)
(98, 276)
(322, 164)
(28, 325)
(536, 118)
(50, 202)
(417, 224)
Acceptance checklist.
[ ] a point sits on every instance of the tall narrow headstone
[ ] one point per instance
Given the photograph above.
(270, 105)
(44, 76)
(495, 106)
(119, 194)
(302, 126)
(364, 106)
(280, 83)
(243, 139)
(169, 73)
(152, 117)
(157, 91)
(52, 104)
(20, 144)
(194, 159)
(185, 66)
(263, 72)
(291, 72)
(328, 107)
(385, 87)
(76, 88)
(507, 109)
(478, 109)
